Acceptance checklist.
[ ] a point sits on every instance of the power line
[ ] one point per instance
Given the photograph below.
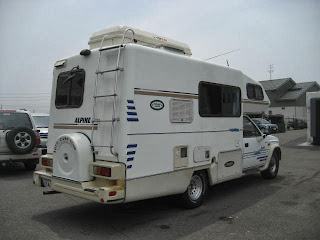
(222, 54)
(16, 93)
(23, 105)
(27, 97)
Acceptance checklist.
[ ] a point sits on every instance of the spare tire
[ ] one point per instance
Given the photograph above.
(21, 140)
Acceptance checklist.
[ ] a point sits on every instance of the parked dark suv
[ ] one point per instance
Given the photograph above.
(265, 126)
(19, 139)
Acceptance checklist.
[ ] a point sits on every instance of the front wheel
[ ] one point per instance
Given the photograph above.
(273, 168)
(196, 191)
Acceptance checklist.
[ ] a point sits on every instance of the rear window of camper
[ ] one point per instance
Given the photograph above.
(70, 88)
(254, 92)
(217, 100)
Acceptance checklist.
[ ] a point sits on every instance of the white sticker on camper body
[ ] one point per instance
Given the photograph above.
(64, 139)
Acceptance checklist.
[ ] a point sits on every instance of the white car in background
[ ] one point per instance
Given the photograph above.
(42, 123)
(19, 139)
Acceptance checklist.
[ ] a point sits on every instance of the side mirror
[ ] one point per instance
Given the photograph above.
(260, 138)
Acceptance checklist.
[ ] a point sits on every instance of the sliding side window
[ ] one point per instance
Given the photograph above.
(217, 100)
(70, 88)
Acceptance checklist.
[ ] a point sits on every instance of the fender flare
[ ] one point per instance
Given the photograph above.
(275, 148)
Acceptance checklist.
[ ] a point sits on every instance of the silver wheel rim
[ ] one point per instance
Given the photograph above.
(22, 139)
(195, 187)
(273, 165)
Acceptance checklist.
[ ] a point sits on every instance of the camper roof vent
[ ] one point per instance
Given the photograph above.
(114, 37)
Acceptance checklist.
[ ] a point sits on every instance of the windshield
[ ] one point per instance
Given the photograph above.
(10, 120)
(41, 121)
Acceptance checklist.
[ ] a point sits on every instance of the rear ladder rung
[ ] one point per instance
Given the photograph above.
(111, 47)
(101, 96)
(111, 70)
(101, 146)
(112, 120)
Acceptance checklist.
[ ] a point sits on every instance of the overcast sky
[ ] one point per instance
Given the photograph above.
(34, 34)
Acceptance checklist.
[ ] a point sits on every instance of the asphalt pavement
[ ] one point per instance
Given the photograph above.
(287, 207)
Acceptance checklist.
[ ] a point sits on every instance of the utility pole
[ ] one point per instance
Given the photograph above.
(271, 70)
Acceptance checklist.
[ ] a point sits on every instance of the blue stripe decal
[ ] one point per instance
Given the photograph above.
(131, 107)
(132, 145)
(133, 119)
(234, 130)
(130, 101)
(254, 153)
(132, 113)
(262, 157)
(131, 153)
(130, 159)
(129, 166)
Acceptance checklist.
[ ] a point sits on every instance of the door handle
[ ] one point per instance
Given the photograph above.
(246, 144)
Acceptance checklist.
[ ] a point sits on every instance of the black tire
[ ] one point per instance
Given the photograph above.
(194, 195)
(273, 168)
(21, 140)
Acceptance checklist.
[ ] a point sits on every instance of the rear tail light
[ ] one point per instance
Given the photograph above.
(38, 140)
(113, 193)
(102, 171)
(46, 162)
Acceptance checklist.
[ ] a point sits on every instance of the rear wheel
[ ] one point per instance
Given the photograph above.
(196, 191)
(273, 168)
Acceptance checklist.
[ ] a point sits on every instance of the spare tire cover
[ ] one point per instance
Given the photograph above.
(21, 140)
(72, 157)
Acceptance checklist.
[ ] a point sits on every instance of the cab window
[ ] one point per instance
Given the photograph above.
(249, 129)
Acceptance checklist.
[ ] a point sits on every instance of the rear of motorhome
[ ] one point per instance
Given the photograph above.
(135, 117)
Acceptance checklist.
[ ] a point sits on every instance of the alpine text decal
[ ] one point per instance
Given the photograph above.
(82, 120)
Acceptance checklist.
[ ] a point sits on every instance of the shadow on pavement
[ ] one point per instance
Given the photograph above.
(158, 218)
(15, 171)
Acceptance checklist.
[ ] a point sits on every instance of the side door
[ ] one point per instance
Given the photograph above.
(254, 149)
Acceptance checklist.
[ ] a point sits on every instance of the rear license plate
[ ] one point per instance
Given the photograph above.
(46, 182)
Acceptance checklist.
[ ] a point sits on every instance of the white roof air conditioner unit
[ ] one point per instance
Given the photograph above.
(114, 37)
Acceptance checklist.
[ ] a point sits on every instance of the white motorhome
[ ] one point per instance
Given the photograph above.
(135, 117)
